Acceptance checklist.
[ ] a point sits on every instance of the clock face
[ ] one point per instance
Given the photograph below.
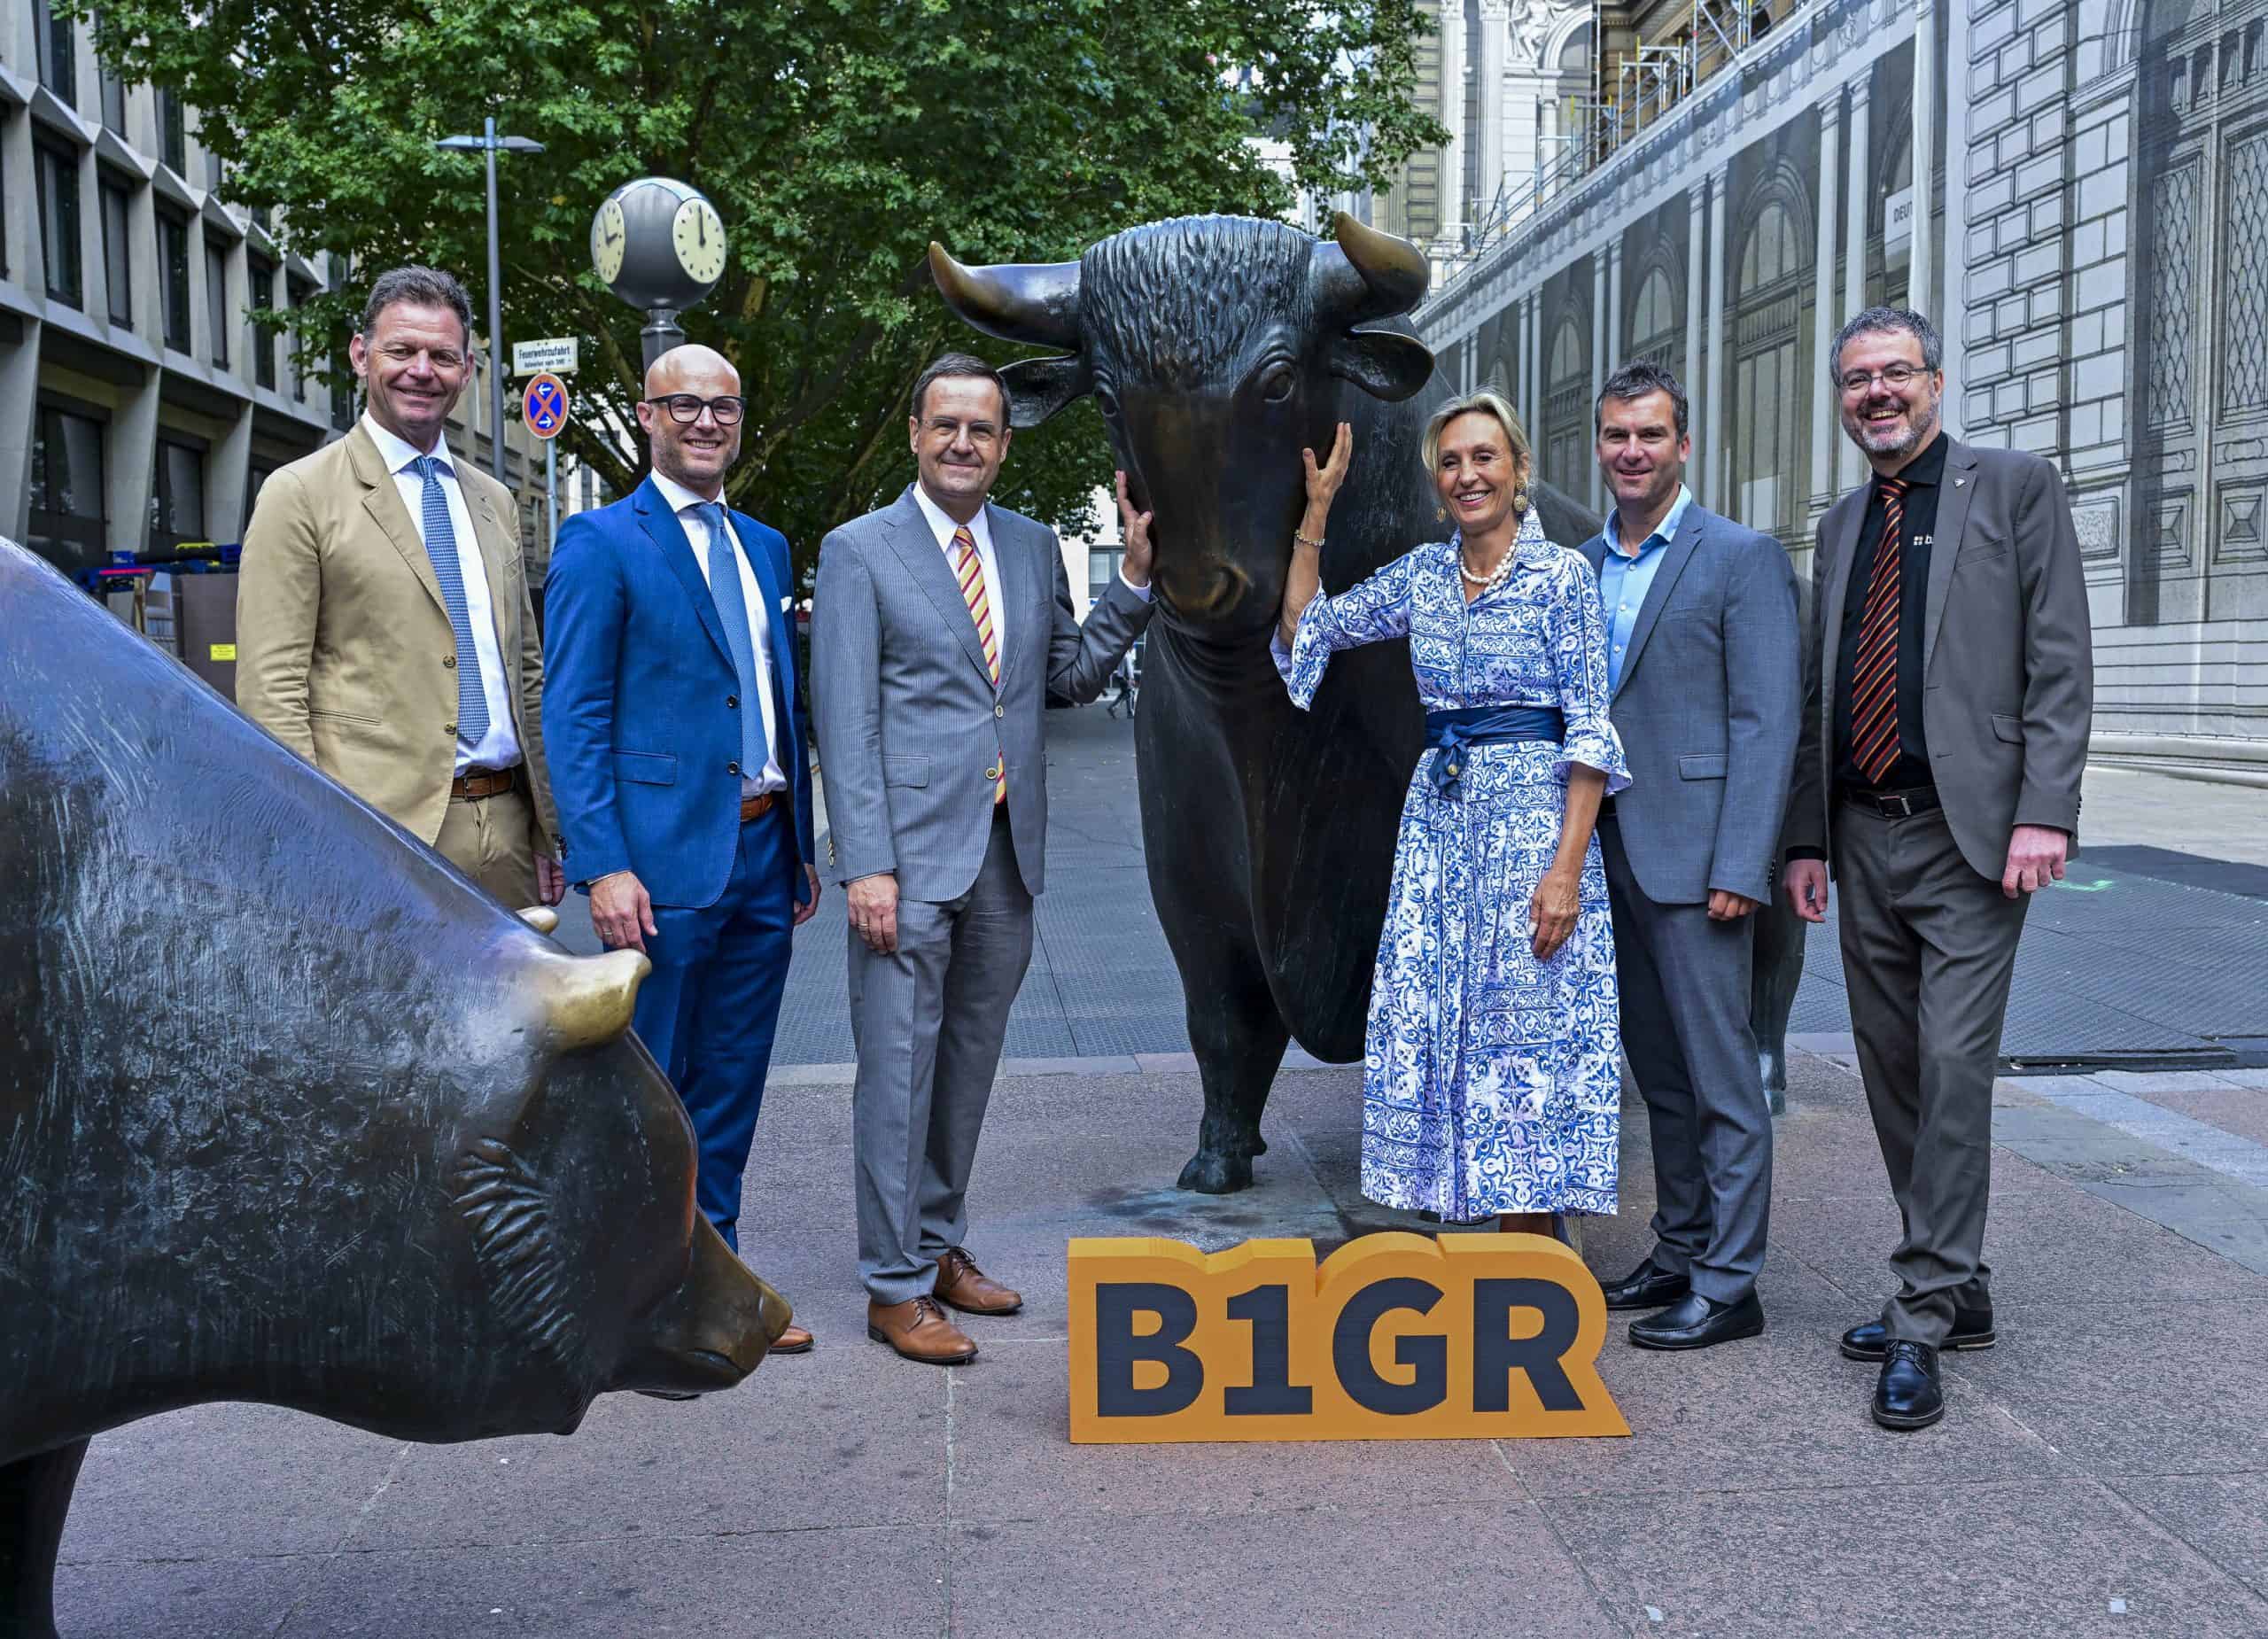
(609, 234)
(698, 235)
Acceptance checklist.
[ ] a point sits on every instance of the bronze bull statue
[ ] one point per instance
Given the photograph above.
(291, 1112)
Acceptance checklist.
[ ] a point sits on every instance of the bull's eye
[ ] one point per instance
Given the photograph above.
(1107, 401)
(1276, 383)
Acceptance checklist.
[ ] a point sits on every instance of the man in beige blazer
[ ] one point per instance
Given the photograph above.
(383, 627)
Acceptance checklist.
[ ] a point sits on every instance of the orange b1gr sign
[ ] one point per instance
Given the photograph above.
(1393, 1337)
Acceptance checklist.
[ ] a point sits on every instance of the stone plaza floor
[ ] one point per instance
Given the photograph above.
(2104, 1470)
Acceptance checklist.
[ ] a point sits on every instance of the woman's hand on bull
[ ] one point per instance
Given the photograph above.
(1552, 913)
(1136, 528)
(1324, 480)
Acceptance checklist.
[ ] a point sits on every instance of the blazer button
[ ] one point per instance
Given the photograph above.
(732, 768)
(999, 710)
(449, 729)
(733, 701)
(449, 661)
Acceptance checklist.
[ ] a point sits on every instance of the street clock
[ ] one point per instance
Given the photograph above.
(659, 244)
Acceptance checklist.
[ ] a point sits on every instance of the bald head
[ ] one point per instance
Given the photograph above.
(697, 449)
(692, 368)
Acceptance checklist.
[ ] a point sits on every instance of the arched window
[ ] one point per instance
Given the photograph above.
(1653, 318)
(1770, 420)
(1567, 407)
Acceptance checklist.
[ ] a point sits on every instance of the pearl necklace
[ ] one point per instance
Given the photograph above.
(1490, 582)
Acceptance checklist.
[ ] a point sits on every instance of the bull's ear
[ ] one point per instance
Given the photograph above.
(1386, 364)
(1040, 387)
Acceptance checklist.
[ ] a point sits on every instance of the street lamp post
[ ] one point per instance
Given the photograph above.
(488, 142)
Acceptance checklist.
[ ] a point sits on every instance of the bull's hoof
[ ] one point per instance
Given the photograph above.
(1210, 1174)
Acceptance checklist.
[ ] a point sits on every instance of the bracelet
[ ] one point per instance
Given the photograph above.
(1297, 540)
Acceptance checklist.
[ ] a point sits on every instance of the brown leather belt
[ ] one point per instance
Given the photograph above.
(756, 807)
(476, 783)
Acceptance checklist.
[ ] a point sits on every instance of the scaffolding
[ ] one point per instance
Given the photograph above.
(1635, 85)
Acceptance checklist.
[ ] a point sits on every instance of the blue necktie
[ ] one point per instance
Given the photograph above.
(441, 547)
(732, 609)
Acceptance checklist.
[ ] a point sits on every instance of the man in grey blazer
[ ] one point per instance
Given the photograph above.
(940, 630)
(1948, 692)
(1703, 663)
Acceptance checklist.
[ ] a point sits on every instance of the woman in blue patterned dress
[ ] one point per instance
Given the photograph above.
(1491, 1079)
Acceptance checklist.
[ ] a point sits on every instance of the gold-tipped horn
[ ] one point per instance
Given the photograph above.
(1367, 275)
(587, 1000)
(542, 917)
(1032, 302)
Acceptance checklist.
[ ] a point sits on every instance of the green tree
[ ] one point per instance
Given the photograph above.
(837, 138)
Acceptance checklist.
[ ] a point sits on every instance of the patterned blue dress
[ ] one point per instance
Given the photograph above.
(1491, 1081)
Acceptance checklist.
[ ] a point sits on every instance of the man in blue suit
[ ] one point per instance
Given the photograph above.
(684, 793)
(1706, 690)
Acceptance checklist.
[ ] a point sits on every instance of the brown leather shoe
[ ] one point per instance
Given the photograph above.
(793, 1341)
(969, 1289)
(918, 1330)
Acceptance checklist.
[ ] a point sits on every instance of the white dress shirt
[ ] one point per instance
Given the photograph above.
(686, 505)
(942, 525)
(499, 747)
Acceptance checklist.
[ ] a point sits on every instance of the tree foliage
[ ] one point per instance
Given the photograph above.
(837, 138)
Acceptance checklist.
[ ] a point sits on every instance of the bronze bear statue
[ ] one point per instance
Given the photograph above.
(291, 1112)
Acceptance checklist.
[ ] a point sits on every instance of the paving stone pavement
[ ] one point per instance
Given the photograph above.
(2103, 1472)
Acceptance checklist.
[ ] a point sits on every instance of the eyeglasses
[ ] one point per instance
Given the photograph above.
(684, 408)
(1890, 376)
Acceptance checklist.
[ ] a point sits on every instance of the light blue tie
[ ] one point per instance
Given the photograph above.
(441, 547)
(732, 609)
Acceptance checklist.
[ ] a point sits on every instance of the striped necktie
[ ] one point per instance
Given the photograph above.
(441, 547)
(979, 610)
(1874, 679)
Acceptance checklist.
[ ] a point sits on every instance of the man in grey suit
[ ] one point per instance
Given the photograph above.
(941, 629)
(1703, 663)
(1948, 692)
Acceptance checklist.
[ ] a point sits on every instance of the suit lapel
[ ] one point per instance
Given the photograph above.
(1956, 488)
(1015, 590)
(382, 503)
(1840, 536)
(668, 536)
(782, 651)
(908, 532)
(496, 546)
(1675, 556)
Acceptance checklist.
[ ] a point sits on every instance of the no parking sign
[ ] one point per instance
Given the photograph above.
(543, 405)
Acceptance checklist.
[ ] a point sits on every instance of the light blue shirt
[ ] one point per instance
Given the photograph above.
(1624, 581)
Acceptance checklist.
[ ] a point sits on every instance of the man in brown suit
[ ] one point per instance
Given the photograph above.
(1949, 686)
(383, 629)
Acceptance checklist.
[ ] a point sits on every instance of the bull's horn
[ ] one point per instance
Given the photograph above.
(1033, 302)
(542, 917)
(587, 1000)
(1367, 275)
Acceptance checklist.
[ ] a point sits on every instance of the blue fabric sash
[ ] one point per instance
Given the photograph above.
(1452, 731)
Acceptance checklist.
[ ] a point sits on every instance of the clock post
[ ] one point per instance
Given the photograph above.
(659, 245)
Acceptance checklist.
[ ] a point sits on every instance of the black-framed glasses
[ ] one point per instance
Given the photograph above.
(1889, 375)
(684, 408)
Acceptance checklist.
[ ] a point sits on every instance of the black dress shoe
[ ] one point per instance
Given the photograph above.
(1699, 1322)
(1645, 1287)
(1906, 1395)
(1972, 1328)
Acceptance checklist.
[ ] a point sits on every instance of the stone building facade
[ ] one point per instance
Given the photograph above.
(139, 405)
(2091, 233)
